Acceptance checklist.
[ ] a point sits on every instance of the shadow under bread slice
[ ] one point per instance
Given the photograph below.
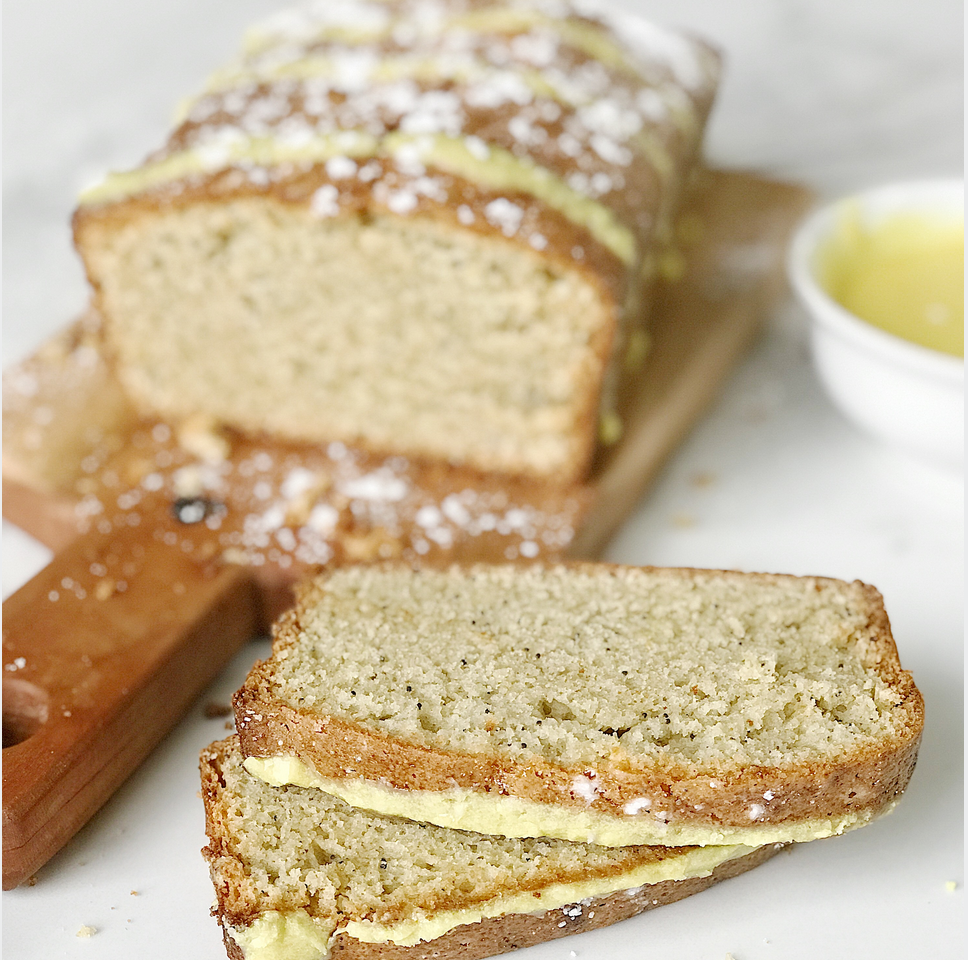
(299, 873)
(590, 702)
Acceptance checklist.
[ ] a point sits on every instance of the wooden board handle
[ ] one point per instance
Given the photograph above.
(104, 650)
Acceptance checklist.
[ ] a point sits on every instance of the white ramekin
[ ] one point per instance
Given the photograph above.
(906, 394)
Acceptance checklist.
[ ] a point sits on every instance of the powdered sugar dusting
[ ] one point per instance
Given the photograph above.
(504, 214)
(325, 201)
(341, 84)
(636, 805)
(586, 786)
(278, 506)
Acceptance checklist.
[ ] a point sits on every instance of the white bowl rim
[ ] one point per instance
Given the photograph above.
(912, 194)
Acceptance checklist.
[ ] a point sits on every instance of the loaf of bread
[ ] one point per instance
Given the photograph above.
(416, 227)
(298, 873)
(595, 703)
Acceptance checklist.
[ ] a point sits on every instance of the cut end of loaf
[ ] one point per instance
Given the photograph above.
(398, 335)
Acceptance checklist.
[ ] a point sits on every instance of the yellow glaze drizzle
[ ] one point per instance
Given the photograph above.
(696, 862)
(430, 69)
(499, 170)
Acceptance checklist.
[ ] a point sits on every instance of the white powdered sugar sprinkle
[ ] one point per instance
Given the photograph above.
(504, 214)
(338, 168)
(325, 201)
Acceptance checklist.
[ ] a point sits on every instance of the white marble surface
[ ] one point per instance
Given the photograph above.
(835, 94)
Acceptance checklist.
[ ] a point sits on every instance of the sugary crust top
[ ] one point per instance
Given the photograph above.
(534, 121)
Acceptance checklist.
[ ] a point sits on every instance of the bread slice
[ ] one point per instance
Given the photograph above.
(595, 703)
(296, 869)
(417, 228)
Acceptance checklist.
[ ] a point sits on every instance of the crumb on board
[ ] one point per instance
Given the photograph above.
(212, 710)
(86, 932)
(134, 893)
(951, 885)
(32, 882)
(105, 589)
(202, 436)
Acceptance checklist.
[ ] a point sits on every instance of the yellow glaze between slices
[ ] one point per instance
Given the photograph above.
(462, 809)
(296, 936)
(284, 936)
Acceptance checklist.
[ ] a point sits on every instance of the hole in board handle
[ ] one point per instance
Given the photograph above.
(25, 710)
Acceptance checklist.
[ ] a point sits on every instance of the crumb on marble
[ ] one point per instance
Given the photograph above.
(703, 478)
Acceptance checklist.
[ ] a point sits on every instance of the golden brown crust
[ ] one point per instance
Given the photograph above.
(494, 124)
(860, 782)
(498, 935)
(637, 189)
(870, 780)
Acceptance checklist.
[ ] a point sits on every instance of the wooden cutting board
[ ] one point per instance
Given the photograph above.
(174, 544)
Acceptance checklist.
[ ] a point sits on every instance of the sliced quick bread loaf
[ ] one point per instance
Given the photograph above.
(598, 703)
(426, 227)
(298, 873)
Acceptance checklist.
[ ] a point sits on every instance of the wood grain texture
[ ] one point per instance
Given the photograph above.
(732, 240)
(94, 679)
(104, 650)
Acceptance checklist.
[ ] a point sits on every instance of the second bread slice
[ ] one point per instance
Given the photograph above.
(596, 703)
(299, 874)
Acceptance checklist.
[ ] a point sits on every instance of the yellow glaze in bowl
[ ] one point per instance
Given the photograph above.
(903, 273)
(881, 275)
